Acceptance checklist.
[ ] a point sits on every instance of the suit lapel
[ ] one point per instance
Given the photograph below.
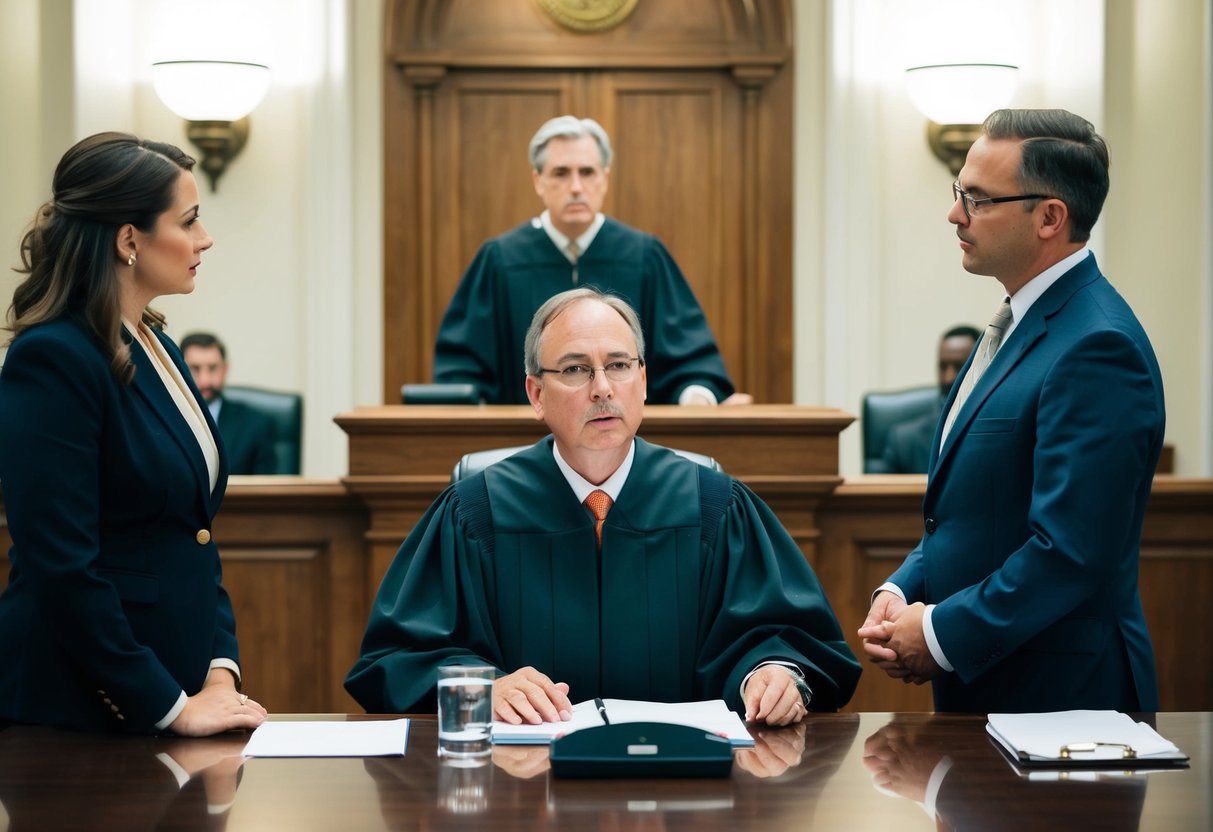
(1027, 335)
(215, 495)
(151, 389)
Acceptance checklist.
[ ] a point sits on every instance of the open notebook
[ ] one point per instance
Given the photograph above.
(712, 716)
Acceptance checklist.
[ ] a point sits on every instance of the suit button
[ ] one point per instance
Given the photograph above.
(203, 536)
(114, 708)
(930, 524)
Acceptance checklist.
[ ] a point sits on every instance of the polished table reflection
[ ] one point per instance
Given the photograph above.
(835, 771)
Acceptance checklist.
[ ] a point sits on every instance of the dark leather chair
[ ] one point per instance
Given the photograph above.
(479, 460)
(439, 394)
(884, 409)
(286, 412)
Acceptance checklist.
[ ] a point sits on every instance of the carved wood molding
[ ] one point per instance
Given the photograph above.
(656, 34)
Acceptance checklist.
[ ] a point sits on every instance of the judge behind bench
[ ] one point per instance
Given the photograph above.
(570, 244)
(689, 589)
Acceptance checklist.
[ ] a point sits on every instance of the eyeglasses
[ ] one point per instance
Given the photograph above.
(577, 375)
(971, 205)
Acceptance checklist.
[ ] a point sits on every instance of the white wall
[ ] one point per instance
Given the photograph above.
(35, 102)
(294, 281)
(1158, 215)
(885, 278)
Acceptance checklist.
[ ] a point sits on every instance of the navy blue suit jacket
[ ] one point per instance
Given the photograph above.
(1033, 513)
(114, 605)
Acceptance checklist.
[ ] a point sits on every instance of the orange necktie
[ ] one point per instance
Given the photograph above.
(599, 503)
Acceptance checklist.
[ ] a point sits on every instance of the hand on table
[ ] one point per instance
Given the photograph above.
(526, 695)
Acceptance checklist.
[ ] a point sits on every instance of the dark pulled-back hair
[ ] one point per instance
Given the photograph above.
(70, 252)
(1062, 156)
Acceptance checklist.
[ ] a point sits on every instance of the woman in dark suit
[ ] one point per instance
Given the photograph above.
(115, 616)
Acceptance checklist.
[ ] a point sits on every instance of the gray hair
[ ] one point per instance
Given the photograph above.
(568, 127)
(556, 304)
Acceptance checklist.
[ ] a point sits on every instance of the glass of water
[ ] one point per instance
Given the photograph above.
(465, 710)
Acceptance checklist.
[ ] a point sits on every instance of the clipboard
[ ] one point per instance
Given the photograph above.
(1082, 740)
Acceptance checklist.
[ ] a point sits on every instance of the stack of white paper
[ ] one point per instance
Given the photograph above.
(369, 738)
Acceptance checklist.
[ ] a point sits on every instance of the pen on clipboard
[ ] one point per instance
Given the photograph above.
(606, 720)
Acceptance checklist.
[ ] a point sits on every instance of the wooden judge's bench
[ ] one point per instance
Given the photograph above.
(303, 557)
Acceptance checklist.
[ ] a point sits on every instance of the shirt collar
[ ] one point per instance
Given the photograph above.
(1031, 291)
(582, 487)
(562, 242)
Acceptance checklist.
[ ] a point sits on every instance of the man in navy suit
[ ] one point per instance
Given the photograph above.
(1022, 594)
(248, 436)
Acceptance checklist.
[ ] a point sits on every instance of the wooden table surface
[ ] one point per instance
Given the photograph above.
(838, 771)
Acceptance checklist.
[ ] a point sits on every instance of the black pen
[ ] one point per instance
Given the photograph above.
(606, 720)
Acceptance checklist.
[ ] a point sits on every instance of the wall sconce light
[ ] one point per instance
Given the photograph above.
(215, 98)
(956, 98)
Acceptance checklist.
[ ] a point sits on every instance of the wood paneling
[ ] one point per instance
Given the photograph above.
(401, 457)
(869, 524)
(295, 565)
(697, 99)
(303, 558)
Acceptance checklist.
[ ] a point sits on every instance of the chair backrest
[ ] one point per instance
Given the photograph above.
(286, 412)
(884, 409)
(439, 394)
(477, 461)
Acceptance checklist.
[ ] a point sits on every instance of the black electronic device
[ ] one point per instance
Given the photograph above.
(641, 749)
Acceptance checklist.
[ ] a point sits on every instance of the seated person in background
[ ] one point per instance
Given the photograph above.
(571, 243)
(908, 447)
(248, 436)
(689, 589)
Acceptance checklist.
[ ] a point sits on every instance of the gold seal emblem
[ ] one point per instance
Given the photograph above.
(588, 15)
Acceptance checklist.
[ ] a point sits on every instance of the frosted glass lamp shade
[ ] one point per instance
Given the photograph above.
(210, 90)
(961, 93)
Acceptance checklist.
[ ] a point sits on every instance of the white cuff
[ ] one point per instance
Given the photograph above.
(227, 664)
(928, 633)
(788, 666)
(692, 390)
(888, 587)
(173, 712)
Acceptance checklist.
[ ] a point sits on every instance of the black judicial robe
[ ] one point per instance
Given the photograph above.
(696, 584)
(480, 340)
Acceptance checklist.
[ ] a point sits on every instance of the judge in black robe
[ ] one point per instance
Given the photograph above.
(480, 341)
(503, 570)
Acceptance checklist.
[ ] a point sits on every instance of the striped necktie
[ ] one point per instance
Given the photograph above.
(990, 342)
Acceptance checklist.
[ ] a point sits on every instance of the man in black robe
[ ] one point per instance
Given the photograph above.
(481, 335)
(689, 589)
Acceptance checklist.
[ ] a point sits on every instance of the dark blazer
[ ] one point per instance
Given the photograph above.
(114, 603)
(248, 439)
(1033, 513)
